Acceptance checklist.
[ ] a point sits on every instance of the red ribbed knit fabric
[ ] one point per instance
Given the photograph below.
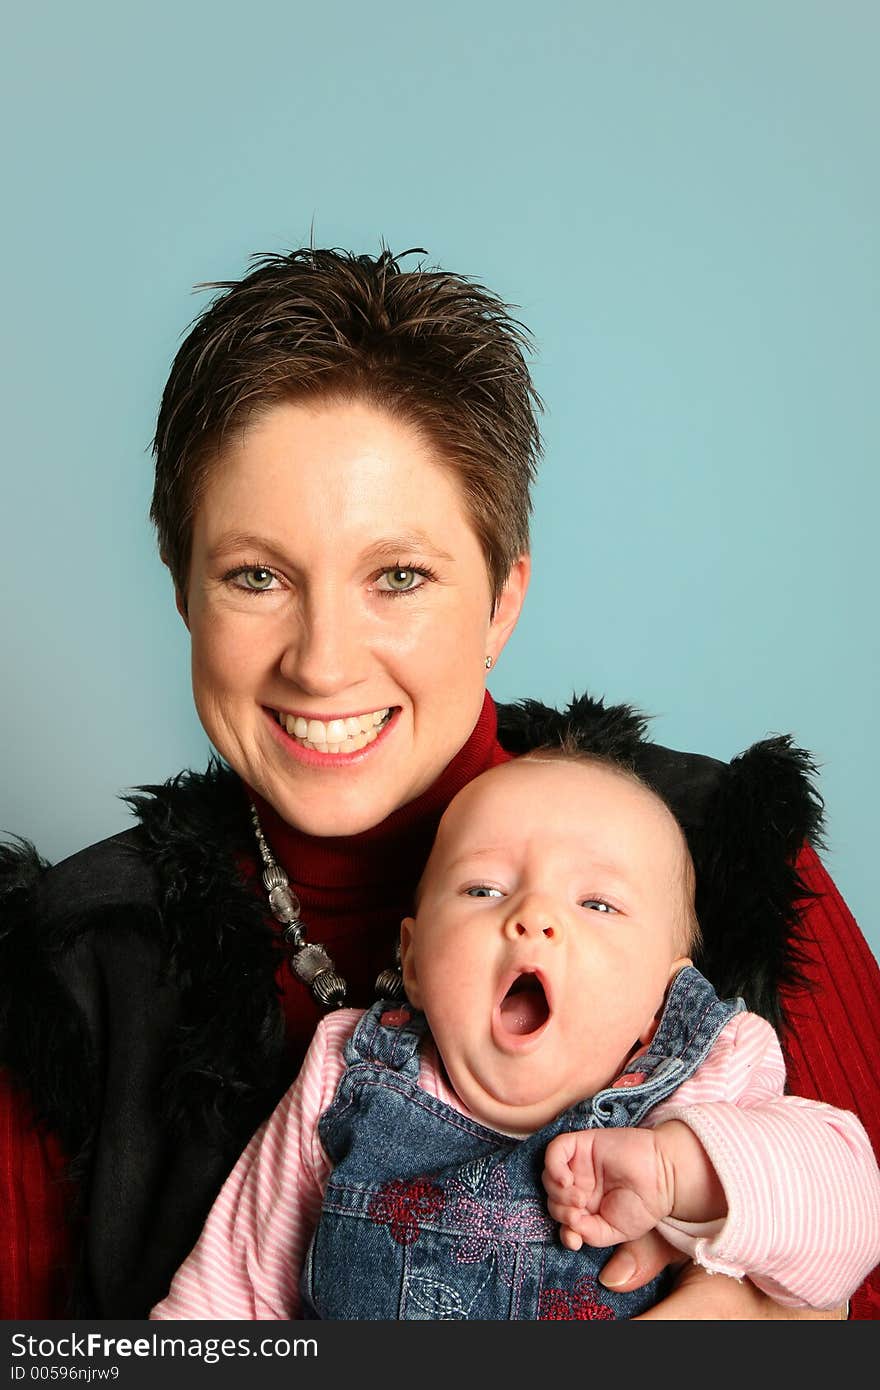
(353, 894)
(36, 1251)
(832, 1045)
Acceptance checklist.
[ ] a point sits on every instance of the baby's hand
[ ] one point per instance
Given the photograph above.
(607, 1185)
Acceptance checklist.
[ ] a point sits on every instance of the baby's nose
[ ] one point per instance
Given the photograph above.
(534, 918)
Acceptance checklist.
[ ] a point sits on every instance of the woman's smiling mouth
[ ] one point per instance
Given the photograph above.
(338, 736)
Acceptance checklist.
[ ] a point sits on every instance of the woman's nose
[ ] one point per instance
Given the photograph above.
(533, 916)
(324, 653)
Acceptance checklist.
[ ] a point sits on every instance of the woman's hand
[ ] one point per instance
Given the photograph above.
(697, 1295)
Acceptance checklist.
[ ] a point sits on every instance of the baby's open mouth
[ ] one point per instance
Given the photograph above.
(524, 1008)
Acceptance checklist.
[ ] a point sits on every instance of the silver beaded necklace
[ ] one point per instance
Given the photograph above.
(309, 961)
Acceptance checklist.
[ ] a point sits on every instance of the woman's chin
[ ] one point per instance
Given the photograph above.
(327, 793)
(315, 812)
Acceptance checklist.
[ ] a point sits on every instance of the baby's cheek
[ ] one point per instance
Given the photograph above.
(441, 986)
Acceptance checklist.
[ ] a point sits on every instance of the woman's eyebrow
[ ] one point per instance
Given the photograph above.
(245, 540)
(399, 545)
(402, 542)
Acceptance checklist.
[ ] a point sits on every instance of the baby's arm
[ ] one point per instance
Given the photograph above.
(246, 1263)
(801, 1184)
(608, 1185)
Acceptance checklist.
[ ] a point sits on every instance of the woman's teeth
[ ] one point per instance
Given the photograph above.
(335, 735)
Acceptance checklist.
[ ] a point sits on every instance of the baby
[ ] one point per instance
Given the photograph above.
(571, 1043)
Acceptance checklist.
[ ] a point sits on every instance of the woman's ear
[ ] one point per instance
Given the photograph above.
(180, 604)
(508, 606)
(408, 964)
(179, 595)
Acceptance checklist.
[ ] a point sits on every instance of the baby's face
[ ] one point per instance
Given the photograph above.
(546, 935)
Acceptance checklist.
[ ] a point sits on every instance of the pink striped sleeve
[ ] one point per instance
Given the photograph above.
(247, 1261)
(801, 1181)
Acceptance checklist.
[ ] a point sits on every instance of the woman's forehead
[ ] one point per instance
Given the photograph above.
(341, 465)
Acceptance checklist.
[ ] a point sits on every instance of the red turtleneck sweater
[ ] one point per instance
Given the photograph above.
(354, 892)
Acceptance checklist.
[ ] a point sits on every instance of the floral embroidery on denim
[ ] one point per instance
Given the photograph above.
(471, 1176)
(496, 1223)
(438, 1302)
(577, 1304)
(402, 1205)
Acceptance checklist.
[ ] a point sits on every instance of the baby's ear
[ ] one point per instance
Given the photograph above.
(407, 962)
(675, 967)
(648, 1032)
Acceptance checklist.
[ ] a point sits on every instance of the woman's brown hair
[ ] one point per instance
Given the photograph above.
(434, 349)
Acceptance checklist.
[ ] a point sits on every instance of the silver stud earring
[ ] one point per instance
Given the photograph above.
(490, 662)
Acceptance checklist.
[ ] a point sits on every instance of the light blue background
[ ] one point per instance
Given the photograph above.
(682, 199)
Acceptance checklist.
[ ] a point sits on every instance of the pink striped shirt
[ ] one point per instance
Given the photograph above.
(802, 1185)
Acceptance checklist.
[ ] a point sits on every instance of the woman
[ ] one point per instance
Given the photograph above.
(343, 460)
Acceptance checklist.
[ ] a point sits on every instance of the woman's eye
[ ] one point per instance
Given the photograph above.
(597, 905)
(400, 580)
(482, 890)
(256, 578)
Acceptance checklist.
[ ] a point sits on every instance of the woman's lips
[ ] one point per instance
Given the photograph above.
(337, 741)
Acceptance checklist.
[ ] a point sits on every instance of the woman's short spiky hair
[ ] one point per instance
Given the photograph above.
(436, 350)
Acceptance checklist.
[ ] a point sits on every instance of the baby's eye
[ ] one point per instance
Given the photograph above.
(597, 905)
(483, 890)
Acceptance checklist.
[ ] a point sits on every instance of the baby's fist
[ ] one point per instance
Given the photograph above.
(606, 1185)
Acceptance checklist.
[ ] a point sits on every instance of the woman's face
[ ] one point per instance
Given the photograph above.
(340, 613)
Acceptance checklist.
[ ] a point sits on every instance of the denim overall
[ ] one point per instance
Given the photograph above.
(429, 1215)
